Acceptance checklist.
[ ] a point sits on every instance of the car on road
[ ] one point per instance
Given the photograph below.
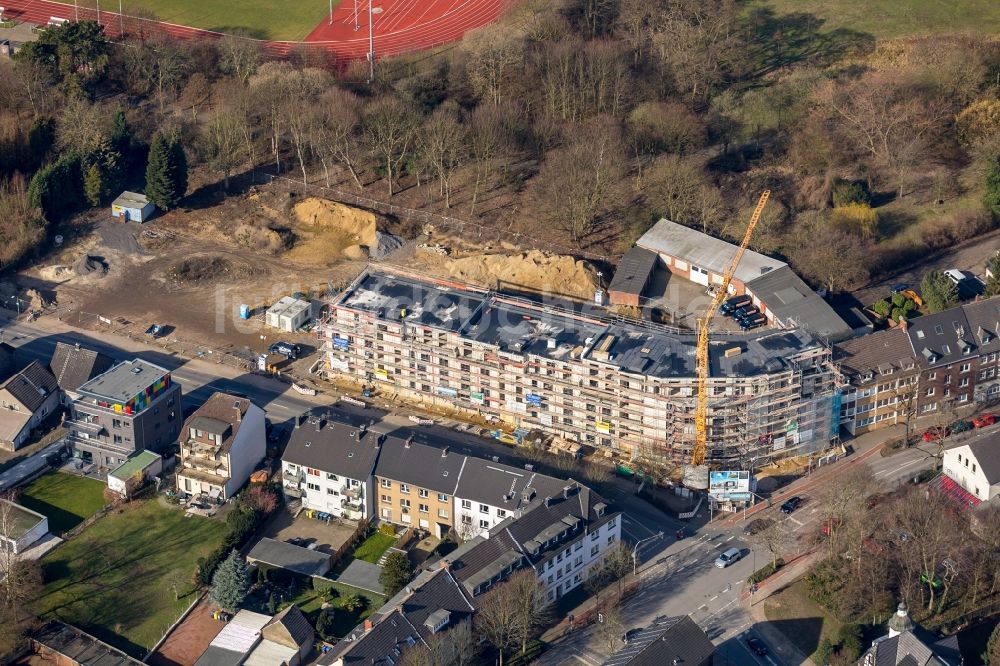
(757, 526)
(984, 420)
(730, 556)
(286, 349)
(935, 433)
(757, 646)
(901, 287)
(791, 504)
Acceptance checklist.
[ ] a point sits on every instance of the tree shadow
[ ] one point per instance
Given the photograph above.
(891, 223)
(775, 42)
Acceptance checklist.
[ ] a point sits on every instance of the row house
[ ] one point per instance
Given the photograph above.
(619, 386)
(930, 365)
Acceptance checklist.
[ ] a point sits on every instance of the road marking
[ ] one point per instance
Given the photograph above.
(730, 538)
(795, 521)
(713, 598)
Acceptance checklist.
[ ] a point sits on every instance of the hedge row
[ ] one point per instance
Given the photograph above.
(765, 572)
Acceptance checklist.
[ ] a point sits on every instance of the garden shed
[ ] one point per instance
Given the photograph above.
(132, 207)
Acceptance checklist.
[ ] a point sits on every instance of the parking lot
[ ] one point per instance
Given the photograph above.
(328, 537)
(682, 301)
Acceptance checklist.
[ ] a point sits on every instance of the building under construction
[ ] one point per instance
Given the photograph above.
(624, 387)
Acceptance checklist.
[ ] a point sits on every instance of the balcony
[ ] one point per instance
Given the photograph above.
(93, 429)
(353, 492)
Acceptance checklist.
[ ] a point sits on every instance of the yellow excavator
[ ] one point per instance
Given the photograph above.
(701, 410)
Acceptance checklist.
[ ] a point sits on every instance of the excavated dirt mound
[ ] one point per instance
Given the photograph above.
(90, 265)
(328, 230)
(353, 223)
(534, 271)
(195, 270)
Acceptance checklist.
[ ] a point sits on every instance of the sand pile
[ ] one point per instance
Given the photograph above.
(534, 271)
(355, 224)
(330, 230)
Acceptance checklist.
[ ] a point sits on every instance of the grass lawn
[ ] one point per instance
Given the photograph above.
(65, 499)
(115, 580)
(803, 622)
(895, 18)
(264, 19)
(372, 548)
(310, 602)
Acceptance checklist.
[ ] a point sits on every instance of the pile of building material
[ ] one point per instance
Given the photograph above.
(336, 229)
(532, 271)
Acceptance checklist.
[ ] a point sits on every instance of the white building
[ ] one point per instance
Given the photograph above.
(329, 465)
(289, 314)
(221, 445)
(974, 465)
(20, 527)
(145, 464)
(488, 493)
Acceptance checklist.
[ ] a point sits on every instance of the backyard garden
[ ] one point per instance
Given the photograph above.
(65, 499)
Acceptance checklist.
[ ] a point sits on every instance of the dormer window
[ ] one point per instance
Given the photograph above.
(868, 376)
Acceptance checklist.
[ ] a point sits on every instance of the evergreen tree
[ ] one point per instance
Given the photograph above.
(230, 583)
(57, 188)
(939, 291)
(396, 573)
(94, 186)
(121, 135)
(324, 624)
(166, 173)
(992, 197)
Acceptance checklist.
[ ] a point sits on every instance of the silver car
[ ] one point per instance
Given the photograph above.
(728, 557)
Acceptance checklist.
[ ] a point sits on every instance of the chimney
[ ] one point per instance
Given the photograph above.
(903, 324)
(566, 491)
(369, 625)
(443, 563)
(298, 421)
(319, 424)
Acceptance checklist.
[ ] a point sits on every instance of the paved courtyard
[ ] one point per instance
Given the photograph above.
(682, 302)
(328, 537)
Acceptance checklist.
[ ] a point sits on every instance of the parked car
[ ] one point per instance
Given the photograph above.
(734, 303)
(757, 646)
(286, 349)
(935, 433)
(729, 557)
(629, 635)
(791, 504)
(901, 287)
(960, 425)
(745, 311)
(752, 323)
(984, 420)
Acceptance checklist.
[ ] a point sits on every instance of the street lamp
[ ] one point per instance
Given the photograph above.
(635, 563)
(371, 40)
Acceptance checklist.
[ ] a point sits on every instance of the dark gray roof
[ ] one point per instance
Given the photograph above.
(874, 352)
(124, 381)
(794, 304)
(419, 465)
(633, 271)
(905, 649)
(942, 338)
(222, 414)
(334, 447)
(401, 623)
(218, 656)
(664, 641)
(32, 386)
(73, 365)
(503, 485)
(291, 557)
(987, 453)
(293, 624)
(79, 646)
(984, 324)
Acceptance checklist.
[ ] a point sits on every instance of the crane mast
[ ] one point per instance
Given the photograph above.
(701, 355)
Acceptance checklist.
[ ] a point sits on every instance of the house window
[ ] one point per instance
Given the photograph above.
(501, 513)
(386, 499)
(593, 551)
(973, 468)
(484, 524)
(331, 477)
(466, 519)
(404, 488)
(422, 492)
(931, 375)
(312, 472)
(312, 486)
(466, 504)
(424, 508)
(442, 513)
(386, 483)
(929, 391)
(966, 366)
(442, 497)
(594, 536)
(387, 514)
(405, 503)
(331, 491)
(484, 508)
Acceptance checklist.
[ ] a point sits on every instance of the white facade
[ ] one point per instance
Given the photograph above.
(23, 527)
(962, 467)
(327, 492)
(572, 565)
(247, 450)
(474, 518)
(288, 314)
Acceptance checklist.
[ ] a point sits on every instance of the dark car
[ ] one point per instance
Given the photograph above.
(734, 303)
(960, 426)
(897, 288)
(629, 635)
(286, 349)
(757, 646)
(791, 504)
(746, 311)
(752, 323)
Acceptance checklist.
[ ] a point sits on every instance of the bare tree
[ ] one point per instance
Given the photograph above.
(496, 56)
(618, 563)
(491, 130)
(775, 539)
(497, 619)
(20, 583)
(442, 142)
(927, 532)
(610, 629)
(239, 55)
(303, 91)
(223, 143)
(530, 604)
(905, 396)
(390, 127)
(338, 130)
(677, 188)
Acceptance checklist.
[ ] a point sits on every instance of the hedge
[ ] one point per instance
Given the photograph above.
(765, 572)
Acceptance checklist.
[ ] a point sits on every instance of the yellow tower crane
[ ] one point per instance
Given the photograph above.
(701, 410)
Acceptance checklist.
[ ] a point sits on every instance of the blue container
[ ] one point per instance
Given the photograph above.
(244, 312)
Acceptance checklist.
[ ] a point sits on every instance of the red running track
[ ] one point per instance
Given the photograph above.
(402, 26)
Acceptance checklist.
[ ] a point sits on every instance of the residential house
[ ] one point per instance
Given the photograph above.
(329, 466)
(433, 603)
(73, 366)
(880, 380)
(416, 485)
(668, 640)
(908, 644)
(26, 400)
(974, 466)
(223, 442)
(133, 406)
(287, 639)
(947, 354)
(489, 492)
(133, 472)
(20, 527)
(562, 538)
(236, 641)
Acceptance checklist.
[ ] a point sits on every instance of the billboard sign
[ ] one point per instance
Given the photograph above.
(729, 485)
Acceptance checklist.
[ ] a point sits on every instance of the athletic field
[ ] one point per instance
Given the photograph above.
(270, 20)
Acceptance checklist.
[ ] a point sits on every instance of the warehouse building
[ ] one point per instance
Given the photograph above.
(618, 386)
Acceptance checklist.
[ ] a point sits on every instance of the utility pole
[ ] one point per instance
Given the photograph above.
(98, 12)
(357, 25)
(331, 12)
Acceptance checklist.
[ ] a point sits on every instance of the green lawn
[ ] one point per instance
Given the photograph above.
(115, 580)
(895, 18)
(65, 499)
(264, 19)
(371, 549)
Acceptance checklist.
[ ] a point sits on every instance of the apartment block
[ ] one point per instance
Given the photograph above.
(132, 407)
(223, 442)
(615, 384)
(329, 466)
